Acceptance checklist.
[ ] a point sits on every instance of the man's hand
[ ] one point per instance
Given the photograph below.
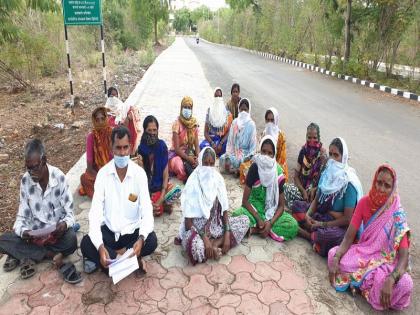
(26, 236)
(137, 247)
(60, 229)
(103, 256)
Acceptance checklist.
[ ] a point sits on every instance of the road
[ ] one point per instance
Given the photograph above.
(376, 126)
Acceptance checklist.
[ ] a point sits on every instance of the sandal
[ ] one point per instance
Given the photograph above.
(27, 268)
(70, 274)
(10, 264)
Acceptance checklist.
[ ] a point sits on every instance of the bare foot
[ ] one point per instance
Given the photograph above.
(58, 260)
(141, 272)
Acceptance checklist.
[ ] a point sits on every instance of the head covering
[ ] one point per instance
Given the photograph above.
(102, 149)
(273, 129)
(203, 186)
(218, 113)
(377, 198)
(159, 152)
(190, 123)
(267, 171)
(336, 176)
(117, 108)
(243, 117)
(311, 163)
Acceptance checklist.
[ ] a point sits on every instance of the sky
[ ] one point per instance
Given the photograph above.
(192, 4)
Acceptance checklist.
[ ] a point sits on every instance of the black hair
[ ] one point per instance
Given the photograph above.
(268, 112)
(34, 146)
(315, 126)
(111, 89)
(149, 119)
(120, 132)
(235, 85)
(338, 144)
(218, 89)
(270, 142)
(243, 101)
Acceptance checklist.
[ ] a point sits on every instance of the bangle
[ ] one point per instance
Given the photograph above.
(227, 228)
(337, 256)
(324, 224)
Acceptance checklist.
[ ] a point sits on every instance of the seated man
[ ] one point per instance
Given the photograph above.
(121, 215)
(45, 201)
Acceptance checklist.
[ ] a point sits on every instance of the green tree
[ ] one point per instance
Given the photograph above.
(182, 20)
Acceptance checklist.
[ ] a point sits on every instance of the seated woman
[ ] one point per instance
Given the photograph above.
(242, 140)
(233, 103)
(98, 150)
(263, 198)
(207, 231)
(122, 113)
(185, 148)
(154, 154)
(272, 128)
(377, 264)
(311, 160)
(329, 214)
(218, 121)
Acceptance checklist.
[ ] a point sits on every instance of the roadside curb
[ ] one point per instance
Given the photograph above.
(372, 85)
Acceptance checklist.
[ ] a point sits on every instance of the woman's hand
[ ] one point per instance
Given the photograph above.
(208, 247)
(334, 270)
(226, 242)
(305, 195)
(260, 223)
(386, 292)
(266, 229)
(312, 194)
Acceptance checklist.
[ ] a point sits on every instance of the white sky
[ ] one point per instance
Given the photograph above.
(192, 4)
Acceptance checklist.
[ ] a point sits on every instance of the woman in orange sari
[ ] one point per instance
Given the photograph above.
(98, 150)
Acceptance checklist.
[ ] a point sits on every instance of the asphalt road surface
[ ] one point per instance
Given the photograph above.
(377, 127)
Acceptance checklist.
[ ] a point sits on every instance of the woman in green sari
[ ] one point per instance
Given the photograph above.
(263, 199)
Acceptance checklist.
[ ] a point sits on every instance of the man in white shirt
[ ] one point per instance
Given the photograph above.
(121, 215)
(45, 202)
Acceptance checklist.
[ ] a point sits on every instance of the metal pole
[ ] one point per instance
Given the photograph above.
(103, 57)
(69, 64)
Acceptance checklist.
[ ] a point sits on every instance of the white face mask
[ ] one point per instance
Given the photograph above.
(121, 161)
(186, 113)
(243, 115)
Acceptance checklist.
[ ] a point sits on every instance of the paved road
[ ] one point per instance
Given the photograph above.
(377, 127)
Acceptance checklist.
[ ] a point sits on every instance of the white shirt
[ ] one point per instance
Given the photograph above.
(39, 209)
(111, 204)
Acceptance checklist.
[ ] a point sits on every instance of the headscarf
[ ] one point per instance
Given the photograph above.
(160, 160)
(117, 108)
(204, 185)
(267, 171)
(190, 123)
(102, 149)
(311, 166)
(273, 129)
(243, 117)
(378, 199)
(218, 113)
(336, 176)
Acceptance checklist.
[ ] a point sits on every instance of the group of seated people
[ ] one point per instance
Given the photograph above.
(366, 238)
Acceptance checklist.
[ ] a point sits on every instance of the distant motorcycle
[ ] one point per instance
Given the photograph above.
(197, 40)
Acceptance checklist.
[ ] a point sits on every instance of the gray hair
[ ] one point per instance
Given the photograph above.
(209, 152)
(34, 146)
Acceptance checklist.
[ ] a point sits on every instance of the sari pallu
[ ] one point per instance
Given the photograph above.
(367, 264)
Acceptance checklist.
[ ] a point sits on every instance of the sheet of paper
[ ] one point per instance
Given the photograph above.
(122, 266)
(42, 232)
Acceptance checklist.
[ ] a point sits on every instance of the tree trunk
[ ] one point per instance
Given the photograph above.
(155, 22)
(347, 32)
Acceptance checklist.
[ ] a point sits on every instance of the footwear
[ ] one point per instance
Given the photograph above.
(10, 264)
(70, 274)
(89, 266)
(27, 268)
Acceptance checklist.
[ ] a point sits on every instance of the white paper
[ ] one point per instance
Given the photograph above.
(42, 232)
(122, 266)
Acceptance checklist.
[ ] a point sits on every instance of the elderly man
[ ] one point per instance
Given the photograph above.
(121, 215)
(44, 219)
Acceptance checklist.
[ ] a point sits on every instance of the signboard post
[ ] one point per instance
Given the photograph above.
(83, 12)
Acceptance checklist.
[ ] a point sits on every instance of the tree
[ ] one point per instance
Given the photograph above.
(159, 12)
(182, 20)
(347, 32)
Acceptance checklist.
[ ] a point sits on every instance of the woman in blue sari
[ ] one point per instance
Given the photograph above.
(242, 140)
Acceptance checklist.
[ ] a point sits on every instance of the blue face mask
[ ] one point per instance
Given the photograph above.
(186, 113)
(121, 161)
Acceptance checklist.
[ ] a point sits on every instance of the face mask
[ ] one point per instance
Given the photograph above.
(271, 129)
(243, 115)
(186, 113)
(313, 143)
(121, 161)
(150, 139)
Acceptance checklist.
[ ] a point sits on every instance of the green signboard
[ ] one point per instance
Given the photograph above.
(82, 12)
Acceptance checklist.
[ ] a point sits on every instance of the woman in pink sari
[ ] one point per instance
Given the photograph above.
(376, 265)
